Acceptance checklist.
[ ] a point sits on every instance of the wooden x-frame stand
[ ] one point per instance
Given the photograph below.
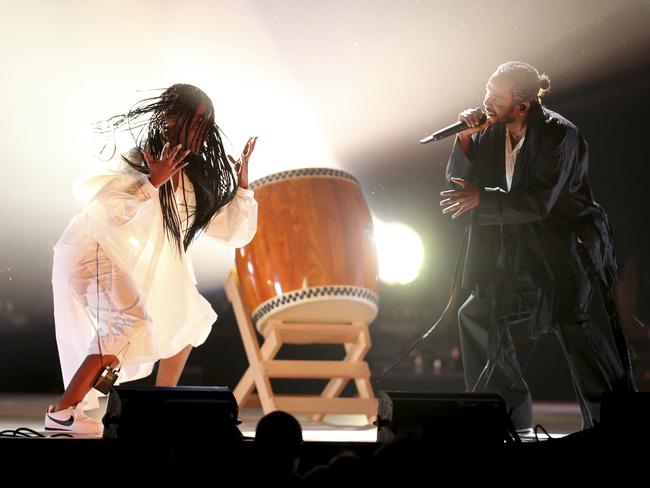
(262, 365)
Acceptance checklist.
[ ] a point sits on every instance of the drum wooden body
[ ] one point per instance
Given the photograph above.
(313, 258)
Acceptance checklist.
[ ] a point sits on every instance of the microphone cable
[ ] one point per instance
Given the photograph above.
(452, 300)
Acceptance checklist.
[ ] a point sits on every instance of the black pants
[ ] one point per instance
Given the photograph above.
(589, 349)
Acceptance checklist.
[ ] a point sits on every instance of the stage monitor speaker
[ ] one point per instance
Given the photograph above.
(448, 417)
(151, 412)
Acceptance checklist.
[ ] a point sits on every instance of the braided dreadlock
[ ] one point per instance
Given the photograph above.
(211, 174)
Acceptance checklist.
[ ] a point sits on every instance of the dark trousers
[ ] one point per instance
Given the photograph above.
(589, 349)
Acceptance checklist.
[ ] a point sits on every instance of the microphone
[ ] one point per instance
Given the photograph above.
(449, 131)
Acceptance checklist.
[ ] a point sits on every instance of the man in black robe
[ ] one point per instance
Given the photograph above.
(537, 244)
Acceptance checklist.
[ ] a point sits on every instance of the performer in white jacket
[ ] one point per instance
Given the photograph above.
(124, 288)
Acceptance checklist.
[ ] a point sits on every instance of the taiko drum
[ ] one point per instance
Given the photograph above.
(313, 258)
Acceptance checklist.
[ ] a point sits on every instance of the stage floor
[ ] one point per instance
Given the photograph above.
(28, 410)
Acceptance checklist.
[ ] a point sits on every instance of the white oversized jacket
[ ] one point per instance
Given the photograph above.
(122, 213)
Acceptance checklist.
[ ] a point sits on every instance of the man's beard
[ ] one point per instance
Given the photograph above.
(503, 119)
(509, 117)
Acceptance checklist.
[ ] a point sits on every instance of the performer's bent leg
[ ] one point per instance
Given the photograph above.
(84, 379)
(506, 379)
(122, 327)
(589, 348)
(170, 369)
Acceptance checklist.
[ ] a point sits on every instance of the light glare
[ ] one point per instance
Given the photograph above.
(400, 252)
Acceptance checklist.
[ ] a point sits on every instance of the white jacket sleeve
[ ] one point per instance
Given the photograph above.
(115, 199)
(236, 224)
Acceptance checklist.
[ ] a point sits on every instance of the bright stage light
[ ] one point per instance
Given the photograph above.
(400, 252)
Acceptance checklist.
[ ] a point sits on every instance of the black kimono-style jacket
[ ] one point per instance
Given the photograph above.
(548, 224)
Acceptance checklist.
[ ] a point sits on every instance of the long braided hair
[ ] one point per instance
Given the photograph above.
(211, 174)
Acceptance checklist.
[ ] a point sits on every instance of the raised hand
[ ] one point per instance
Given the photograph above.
(460, 201)
(475, 119)
(241, 165)
(170, 163)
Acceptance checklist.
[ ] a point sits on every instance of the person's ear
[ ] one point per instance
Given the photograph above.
(523, 107)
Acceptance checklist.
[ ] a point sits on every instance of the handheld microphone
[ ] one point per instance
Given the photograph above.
(449, 131)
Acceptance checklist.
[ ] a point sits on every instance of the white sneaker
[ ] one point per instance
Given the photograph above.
(71, 419)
